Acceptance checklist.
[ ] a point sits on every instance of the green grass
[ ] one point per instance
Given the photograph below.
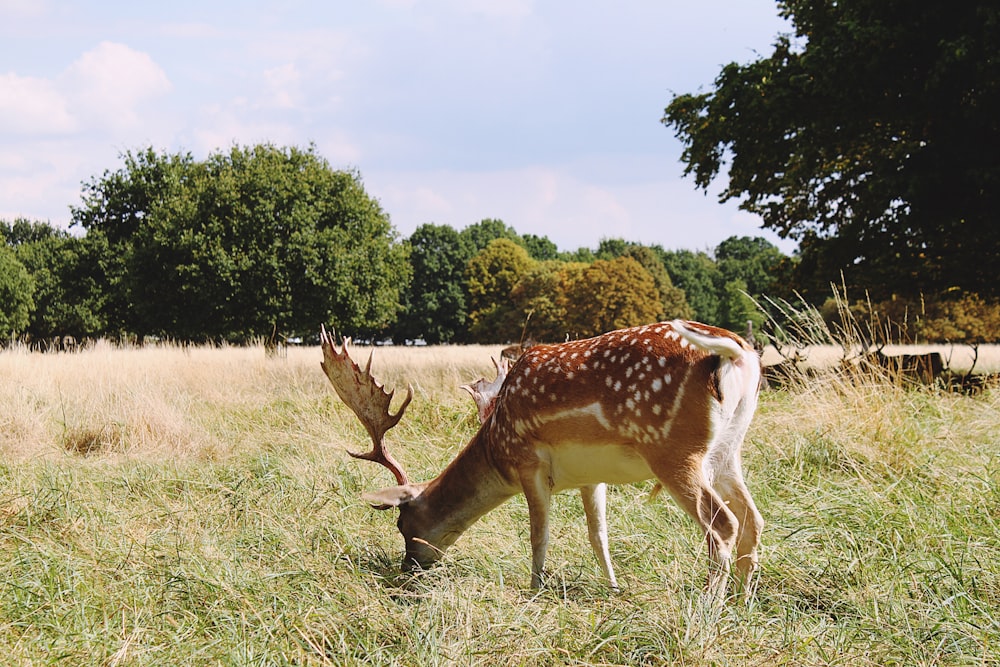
(198, 508)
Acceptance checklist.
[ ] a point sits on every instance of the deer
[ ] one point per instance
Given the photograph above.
(670, 401)
(923, 368)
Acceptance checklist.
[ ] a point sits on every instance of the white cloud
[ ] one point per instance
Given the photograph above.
(32, 106)
(107, 84)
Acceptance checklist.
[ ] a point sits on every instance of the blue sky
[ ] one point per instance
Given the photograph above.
(545, 114)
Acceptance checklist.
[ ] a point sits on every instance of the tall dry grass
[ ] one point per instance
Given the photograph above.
(199, 403)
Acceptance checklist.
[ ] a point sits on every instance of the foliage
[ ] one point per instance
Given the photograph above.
(246, 242)
(435, 302)
(540, 296)
(482, 233)
(672, 299)
(611, 294)
(540, 248)
(66, 272)
(872, 131)
(755, 261)
(16, 291)
(957, 318)
(490, 276)
(698, 275)
(737, 308)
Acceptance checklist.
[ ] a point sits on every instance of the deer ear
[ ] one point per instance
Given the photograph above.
(393, 496)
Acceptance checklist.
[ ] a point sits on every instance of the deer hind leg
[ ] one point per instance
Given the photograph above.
(595, 506)
(693, 493)
(537, 486)
(735, 494)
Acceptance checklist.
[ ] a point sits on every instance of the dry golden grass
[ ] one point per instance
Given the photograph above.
(186, 402)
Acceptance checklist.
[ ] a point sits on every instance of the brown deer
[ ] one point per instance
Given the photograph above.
(923, 368)
(670, 401)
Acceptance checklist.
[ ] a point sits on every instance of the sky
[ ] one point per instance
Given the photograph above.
(542, 113)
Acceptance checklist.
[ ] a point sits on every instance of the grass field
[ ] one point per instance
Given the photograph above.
(195, 506)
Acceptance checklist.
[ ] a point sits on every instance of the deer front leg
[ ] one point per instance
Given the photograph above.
(595, 507)
(537, 486)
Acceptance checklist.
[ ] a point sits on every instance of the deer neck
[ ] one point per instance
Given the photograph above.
(467, 489)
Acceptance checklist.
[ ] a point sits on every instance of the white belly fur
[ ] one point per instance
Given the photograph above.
(574, 466)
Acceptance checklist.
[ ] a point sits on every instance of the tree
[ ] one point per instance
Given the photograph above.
(611, 294)
(490, 276)
(16, 289)
(541, 293)
(65, 271)
(698, 275)
(736, 308)
(540, 248)
(875, 123)
(435, 304)
(247, 241)
(673, 300)
(755, 261)
(480, 234)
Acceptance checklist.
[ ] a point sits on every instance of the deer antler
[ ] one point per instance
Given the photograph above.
(367, 398)
(485, 393)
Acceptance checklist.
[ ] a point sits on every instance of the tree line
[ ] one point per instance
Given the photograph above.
(262, 240)
(265, 242)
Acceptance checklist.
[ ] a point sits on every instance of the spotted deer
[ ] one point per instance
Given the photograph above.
(670, 401)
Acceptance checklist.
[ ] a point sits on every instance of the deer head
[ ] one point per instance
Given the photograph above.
(670, 401)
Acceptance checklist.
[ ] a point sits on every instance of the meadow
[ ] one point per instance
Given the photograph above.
(196, 506)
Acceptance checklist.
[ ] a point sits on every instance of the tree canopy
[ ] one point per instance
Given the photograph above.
(435, 305)
(870, 135)
(249, 241)
(16, 290)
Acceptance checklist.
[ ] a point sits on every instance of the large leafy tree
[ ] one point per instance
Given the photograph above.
(672, 298)
(435, 302)
(756, 261)
(248, 241)
(611, 294)
(698, 275)
(16, 290)
(66, 273)
(875, 125)
(490, 277)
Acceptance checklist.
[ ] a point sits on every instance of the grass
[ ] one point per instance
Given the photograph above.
(196, 506)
